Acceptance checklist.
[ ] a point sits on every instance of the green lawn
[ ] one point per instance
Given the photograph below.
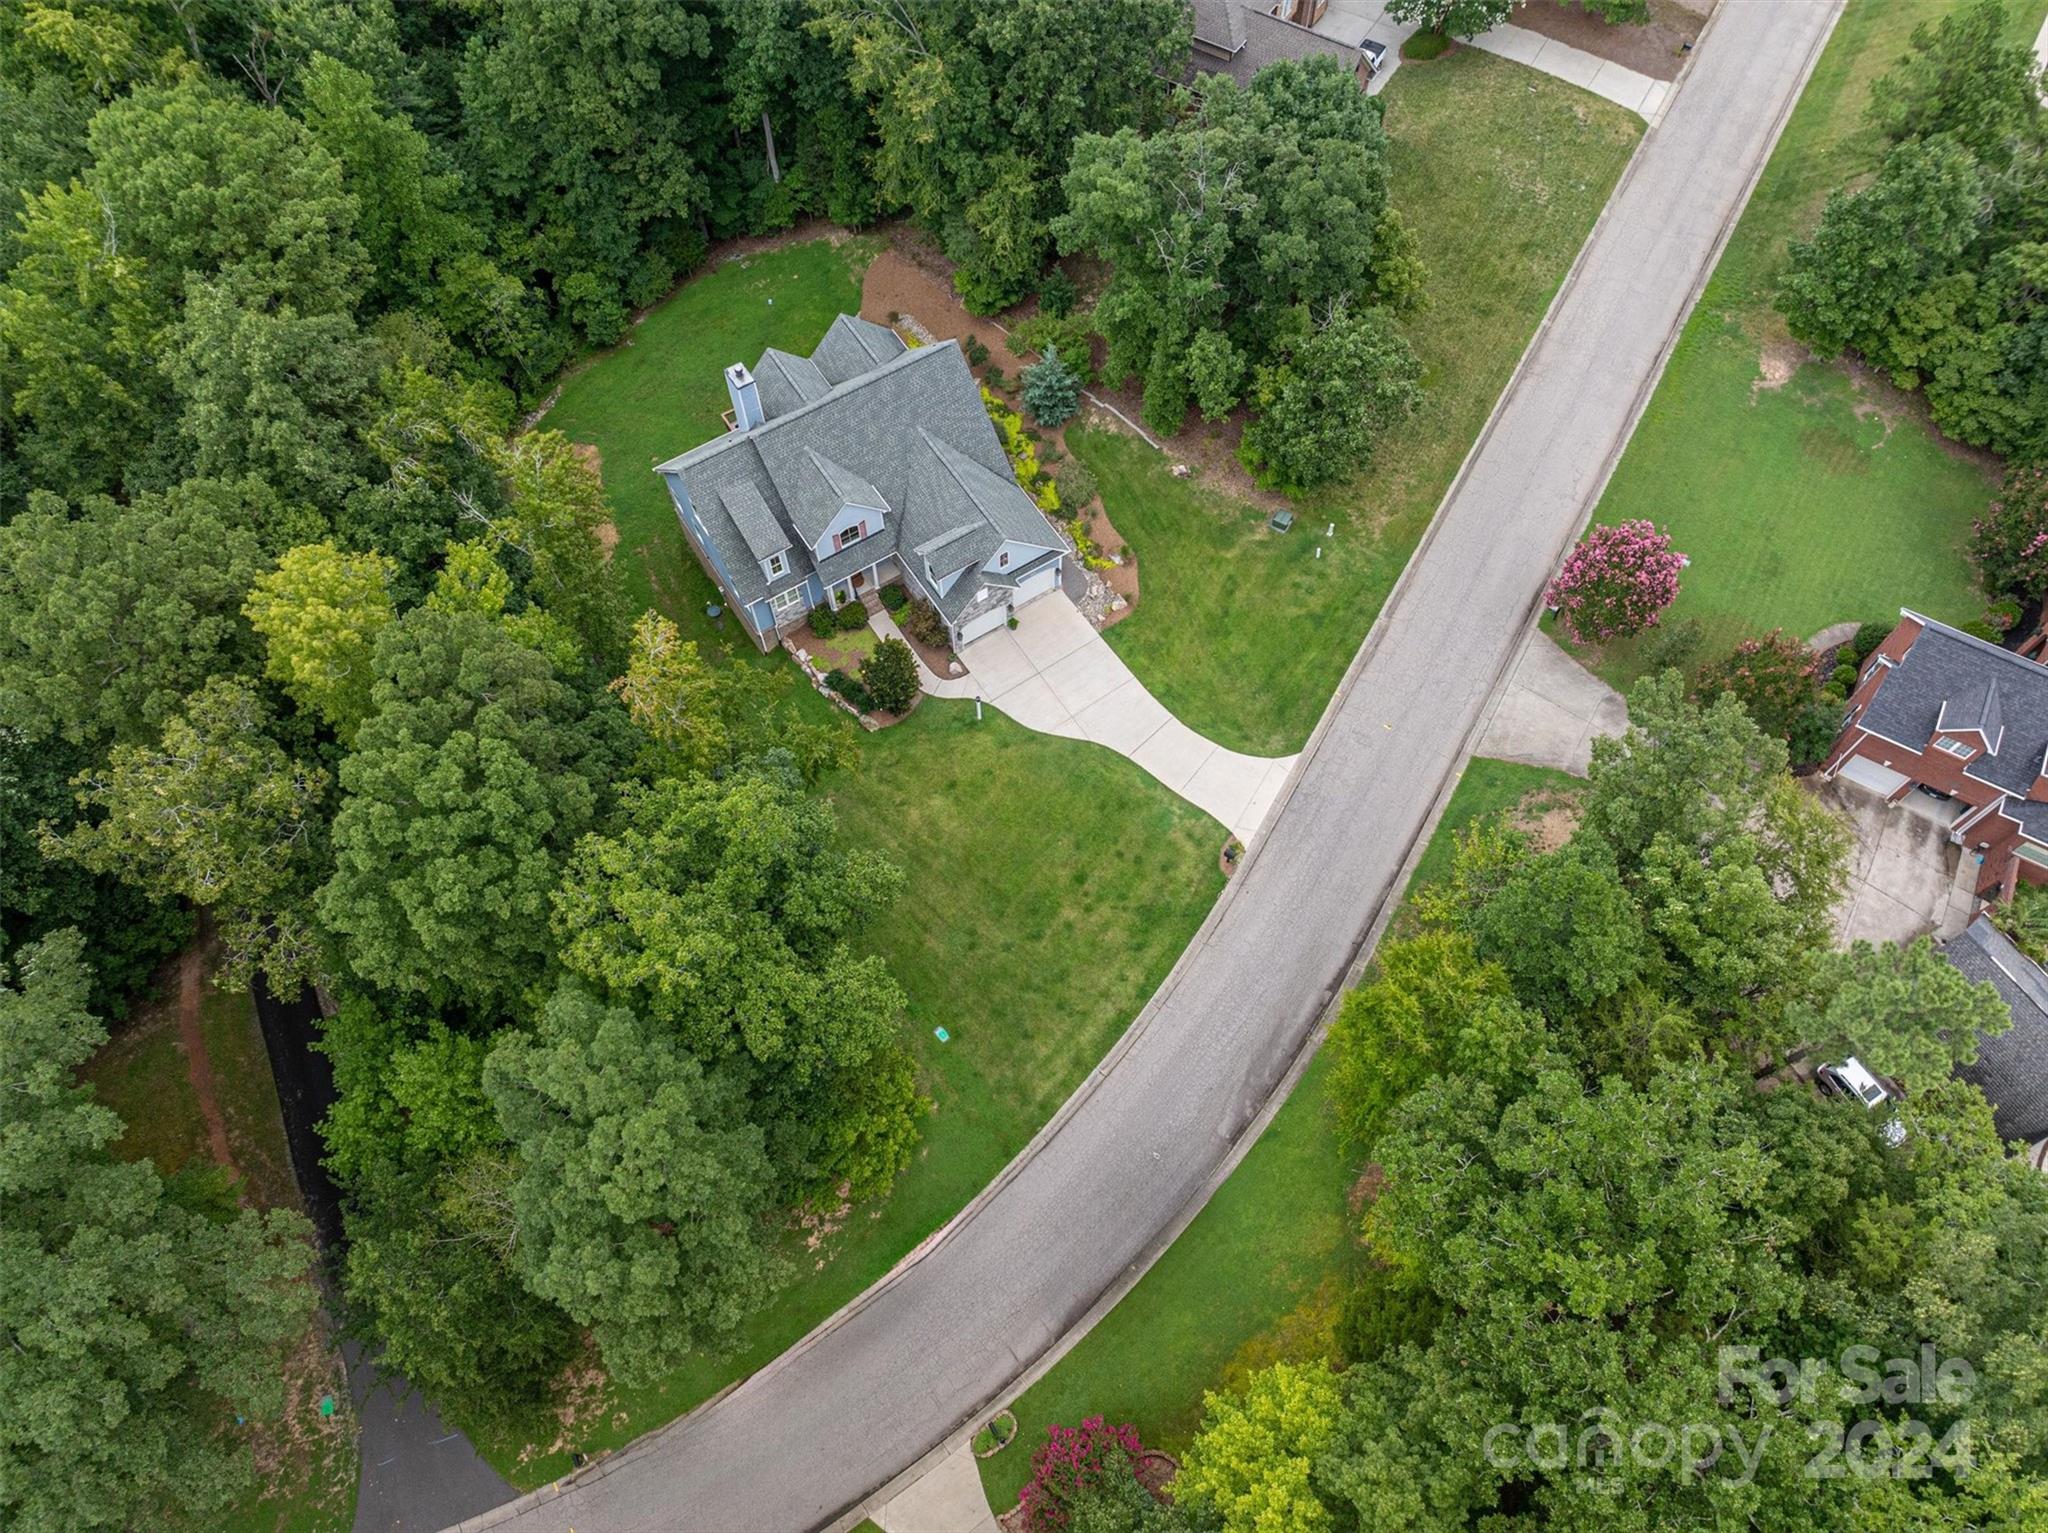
(1050, 887)
(1821, 499)
(1258, 1276)
(662, 392)
(1500, 171)
(308, 1485)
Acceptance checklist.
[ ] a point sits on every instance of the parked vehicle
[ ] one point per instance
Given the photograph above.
(1851, 1078)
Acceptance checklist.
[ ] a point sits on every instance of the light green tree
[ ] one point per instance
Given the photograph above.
(217, 814)
(1250, 1463)
(1907, 1011)
(319, 613)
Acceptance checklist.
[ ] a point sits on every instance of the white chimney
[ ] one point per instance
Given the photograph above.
(746, 397)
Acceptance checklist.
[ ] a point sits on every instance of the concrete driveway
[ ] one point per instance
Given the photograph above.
(1054, 673)
(1905, 879)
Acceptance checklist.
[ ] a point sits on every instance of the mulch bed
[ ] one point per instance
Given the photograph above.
(1656, 48)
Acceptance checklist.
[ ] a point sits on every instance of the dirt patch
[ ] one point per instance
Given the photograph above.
(1779, 358)
(1657, 48)
(1546, 817)
(1372, 1181)
(302, 1445)
(198, 1063)
(582, 1389)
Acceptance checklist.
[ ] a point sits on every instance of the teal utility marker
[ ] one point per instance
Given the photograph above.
(327, 1405)
(942, 1035)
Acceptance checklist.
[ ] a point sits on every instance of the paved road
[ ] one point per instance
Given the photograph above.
(827, 1424)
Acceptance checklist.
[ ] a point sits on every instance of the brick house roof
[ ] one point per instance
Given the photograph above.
(2011, 1069)
(1948, 681)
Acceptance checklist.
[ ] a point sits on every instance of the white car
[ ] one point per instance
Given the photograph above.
(1851, 1078)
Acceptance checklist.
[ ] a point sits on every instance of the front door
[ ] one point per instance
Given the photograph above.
(860, 578)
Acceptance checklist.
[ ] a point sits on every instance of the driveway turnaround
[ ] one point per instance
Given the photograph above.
(1551, 711)
(1054, 673)
(1092, 1201)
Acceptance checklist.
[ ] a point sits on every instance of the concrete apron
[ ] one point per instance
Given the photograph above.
(1054, 673)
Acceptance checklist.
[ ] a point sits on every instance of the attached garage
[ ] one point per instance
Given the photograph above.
(1037, 584)
(1879, 779)
(981, 623)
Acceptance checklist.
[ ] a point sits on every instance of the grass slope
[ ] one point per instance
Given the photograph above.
(1821, 497)
(1501, 172)
(1257, 1278)
(1050, 887)
(662, 392)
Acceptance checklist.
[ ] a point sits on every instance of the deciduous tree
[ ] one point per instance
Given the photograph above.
(319, 613)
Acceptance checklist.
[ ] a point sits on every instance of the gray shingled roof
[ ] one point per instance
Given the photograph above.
(787, 382)
(1947, 667)
(871, 439)
(855, 346)
(757, 524)
(2011, 1069)
(1975, 707)
(1260, 38)
(1219, 23)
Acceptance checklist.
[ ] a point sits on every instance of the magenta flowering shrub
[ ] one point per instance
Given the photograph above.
(1071, 1460)
(2009, 542)
(1615, 582)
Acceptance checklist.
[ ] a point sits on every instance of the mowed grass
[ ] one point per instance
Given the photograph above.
(1817, 497)
(662, 392)
(1258, 1277)
(1050, 887)
(1500, 172)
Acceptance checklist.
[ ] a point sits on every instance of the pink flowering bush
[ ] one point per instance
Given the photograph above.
(1615, 582)
(2009, 542)
(1071, 1460)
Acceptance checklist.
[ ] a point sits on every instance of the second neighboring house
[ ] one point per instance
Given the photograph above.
(863, 463)
(2012, 1068)
(1240, 37)
(1935, 708)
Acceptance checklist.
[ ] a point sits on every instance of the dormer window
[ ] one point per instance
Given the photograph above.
(1954, 746)
(1003, 560)
(777, 565)
(852, 534)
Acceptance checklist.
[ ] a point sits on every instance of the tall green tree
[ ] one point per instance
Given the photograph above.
(720, 910)
(219, 815)
(1963, 76)
(641, 1192)
(470, 783)
(134, 1320)
(109, 618)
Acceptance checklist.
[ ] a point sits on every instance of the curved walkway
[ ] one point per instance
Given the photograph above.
(1056, 674)
(1096, 1197)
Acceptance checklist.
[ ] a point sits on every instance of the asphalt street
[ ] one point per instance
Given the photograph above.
(816, 1432)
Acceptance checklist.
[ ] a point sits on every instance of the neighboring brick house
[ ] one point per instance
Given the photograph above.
(1240, 37)
(1936, 708)
(860, 464)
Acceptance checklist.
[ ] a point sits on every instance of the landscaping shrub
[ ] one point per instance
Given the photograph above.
(1674, 646)
(1869, 636)
(1078, 487)
(2024, 918)
(1615, 582)
(823, 621)
(1022, 455)
(2002, 614)
(850, 688)
(2009, 542)
(1069, 1464)
(1057, 294)
(851, 618)
(1814, 731)
(895, 598)
(1051, 390)
(1844, 678)
(1772, 677)
(922, 622)
(890, 675)
(1042, 333)
(977, 353)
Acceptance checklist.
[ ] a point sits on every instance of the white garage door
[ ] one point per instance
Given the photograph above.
(1866, 773)
(1038, 584)
(987, 622)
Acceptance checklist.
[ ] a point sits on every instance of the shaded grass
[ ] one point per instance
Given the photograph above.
(1500, 172)
(1050, 887)
(1259, 1276)
(141, 1073)
(662, 392)
(1829, 497)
